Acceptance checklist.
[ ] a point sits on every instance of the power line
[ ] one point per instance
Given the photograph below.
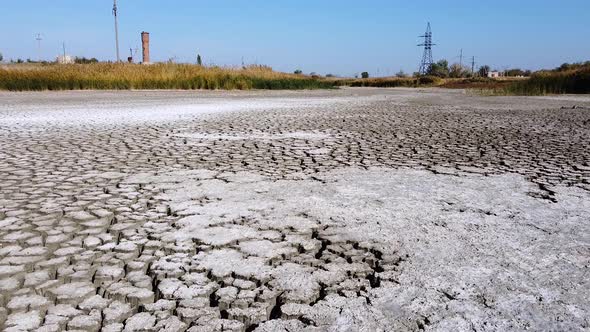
(116, 29)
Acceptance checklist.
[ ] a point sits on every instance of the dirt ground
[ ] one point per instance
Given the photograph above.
(345, 210)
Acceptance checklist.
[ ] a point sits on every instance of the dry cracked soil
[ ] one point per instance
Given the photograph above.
(344, 210)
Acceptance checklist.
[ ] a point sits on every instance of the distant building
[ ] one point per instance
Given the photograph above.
(65, 59)
(495, 74)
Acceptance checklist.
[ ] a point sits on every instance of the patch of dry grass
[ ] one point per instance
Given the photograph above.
(119, 76)
(576, 81)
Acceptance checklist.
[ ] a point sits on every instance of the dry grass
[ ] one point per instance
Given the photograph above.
(388, 82)
(158, 76)
(480, 83)
(102, 76)
(576, 81)
(429, 81)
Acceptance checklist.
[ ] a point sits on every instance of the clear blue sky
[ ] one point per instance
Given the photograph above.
(326, 36)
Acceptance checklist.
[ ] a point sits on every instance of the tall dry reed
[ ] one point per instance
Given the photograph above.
(120, 76)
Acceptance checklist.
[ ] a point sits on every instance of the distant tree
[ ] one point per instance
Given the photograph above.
(515, 72)
(564, 67)
(573, 66)
(19, 60)
(364, 74)
(401, 74)
(483, 71)
(457, 71)
(1, 57)
(84, 60)
(329, 75)
(440, 69)
(298, 72)
(199, 60)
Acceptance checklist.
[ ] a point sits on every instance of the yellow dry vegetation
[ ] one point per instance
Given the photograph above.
(100, 76)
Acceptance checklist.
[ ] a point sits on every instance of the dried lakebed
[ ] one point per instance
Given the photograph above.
(348, 210)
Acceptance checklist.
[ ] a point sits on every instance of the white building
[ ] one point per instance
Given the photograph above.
(495, 74)
(65, 59)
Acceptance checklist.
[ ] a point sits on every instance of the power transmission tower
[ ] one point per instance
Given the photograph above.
(38, 38)
(116, 29)
(427, 57)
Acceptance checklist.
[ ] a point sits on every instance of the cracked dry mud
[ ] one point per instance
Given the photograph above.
(348, 210)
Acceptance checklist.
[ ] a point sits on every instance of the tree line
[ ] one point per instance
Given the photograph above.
(443, 70)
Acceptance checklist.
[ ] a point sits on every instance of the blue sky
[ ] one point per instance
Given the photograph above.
(342, 37)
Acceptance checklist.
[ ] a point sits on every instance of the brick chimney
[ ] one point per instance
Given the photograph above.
(145, 45)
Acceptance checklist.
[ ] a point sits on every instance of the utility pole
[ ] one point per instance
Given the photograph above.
(39, 39)
(116, 29)
(64, 48)
(461, 59)
(473, 66)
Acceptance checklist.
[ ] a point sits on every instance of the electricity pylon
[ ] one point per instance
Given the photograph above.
(427, 61)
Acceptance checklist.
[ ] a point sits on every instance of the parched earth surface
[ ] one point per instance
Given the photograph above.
(345, 210)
